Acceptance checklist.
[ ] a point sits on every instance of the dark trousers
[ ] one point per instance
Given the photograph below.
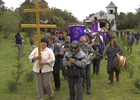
(111, 75)
(63, 68)
(137, 41)
(56, 76)
(78, 92)
(87, 77)
(96, 66)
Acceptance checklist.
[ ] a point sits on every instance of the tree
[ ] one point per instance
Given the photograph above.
(9, 22)
(138, 16)
(30, 17)
(131, 20)
(53, 17)
(122, 21)
(1, 3)
(59, 21)
(67, 17)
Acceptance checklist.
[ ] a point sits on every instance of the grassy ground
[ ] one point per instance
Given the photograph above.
(101, 90)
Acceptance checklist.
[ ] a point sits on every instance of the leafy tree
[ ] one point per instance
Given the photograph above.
(57, 16)
(138, 17)
(67, 17)
(59, 21)
(1, 3)
(27, 17)
(131, 20)
(9, 22)
(2, 9)
(30, 17)
(122, 21)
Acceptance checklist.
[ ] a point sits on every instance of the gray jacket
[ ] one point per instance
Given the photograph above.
(80, 55)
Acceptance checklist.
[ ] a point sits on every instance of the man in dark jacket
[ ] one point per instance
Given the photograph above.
(75, 62)
(56, 49)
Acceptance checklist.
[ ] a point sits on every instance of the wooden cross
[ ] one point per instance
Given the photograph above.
(37, 10)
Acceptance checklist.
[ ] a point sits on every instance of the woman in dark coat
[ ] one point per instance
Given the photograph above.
(110, 52)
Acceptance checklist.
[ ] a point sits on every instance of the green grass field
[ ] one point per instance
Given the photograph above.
(101, 90)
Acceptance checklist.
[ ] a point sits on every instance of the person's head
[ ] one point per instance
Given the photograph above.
(96, 42)
(18, 33)
(55, 38)
(83, 40)
(44, 43)
(51, 40)
(75, 46)
(61, 33)
(95, 18)
(67, 39)
(113, 42)
(88, 37)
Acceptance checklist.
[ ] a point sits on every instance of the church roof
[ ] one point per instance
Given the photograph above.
(88, 20)
(111, 5)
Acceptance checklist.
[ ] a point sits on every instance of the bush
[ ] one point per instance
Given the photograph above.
(137, 83)
(12, 85)
(138, 52)
(29, 76)
(131, 73)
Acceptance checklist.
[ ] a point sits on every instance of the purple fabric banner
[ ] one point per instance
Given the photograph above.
(76, 31)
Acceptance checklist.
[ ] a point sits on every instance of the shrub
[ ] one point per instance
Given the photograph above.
(137, 83)
(12, 85)
(131, 73)
(138, 52)
(29, 76)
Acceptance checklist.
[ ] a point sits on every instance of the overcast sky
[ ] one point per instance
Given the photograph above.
(82, 8)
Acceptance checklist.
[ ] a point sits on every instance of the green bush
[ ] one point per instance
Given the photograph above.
(138, 51)
(29, 76)
(137, 83)
(12, 85)
(131, 73)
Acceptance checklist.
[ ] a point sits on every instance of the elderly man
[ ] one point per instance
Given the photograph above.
(75, 60)
(88, 50)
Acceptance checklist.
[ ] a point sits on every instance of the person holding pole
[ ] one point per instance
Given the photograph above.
(43, 74)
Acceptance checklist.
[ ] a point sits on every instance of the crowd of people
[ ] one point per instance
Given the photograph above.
(131, 38)
(75, 59)
(128, 35)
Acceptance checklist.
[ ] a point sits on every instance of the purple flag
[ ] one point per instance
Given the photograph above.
(76, 31)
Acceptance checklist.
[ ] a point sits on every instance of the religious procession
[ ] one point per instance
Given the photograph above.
(77, 53)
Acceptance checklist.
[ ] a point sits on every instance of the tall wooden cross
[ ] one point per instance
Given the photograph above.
(37, 10)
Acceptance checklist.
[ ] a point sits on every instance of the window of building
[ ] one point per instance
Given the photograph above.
(111, 11)
(101, 14)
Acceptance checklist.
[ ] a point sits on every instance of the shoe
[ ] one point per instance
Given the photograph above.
(45, 92)
(58, 89)
(118, 80)
(88, 92)
(111, 83)
(52, 97)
